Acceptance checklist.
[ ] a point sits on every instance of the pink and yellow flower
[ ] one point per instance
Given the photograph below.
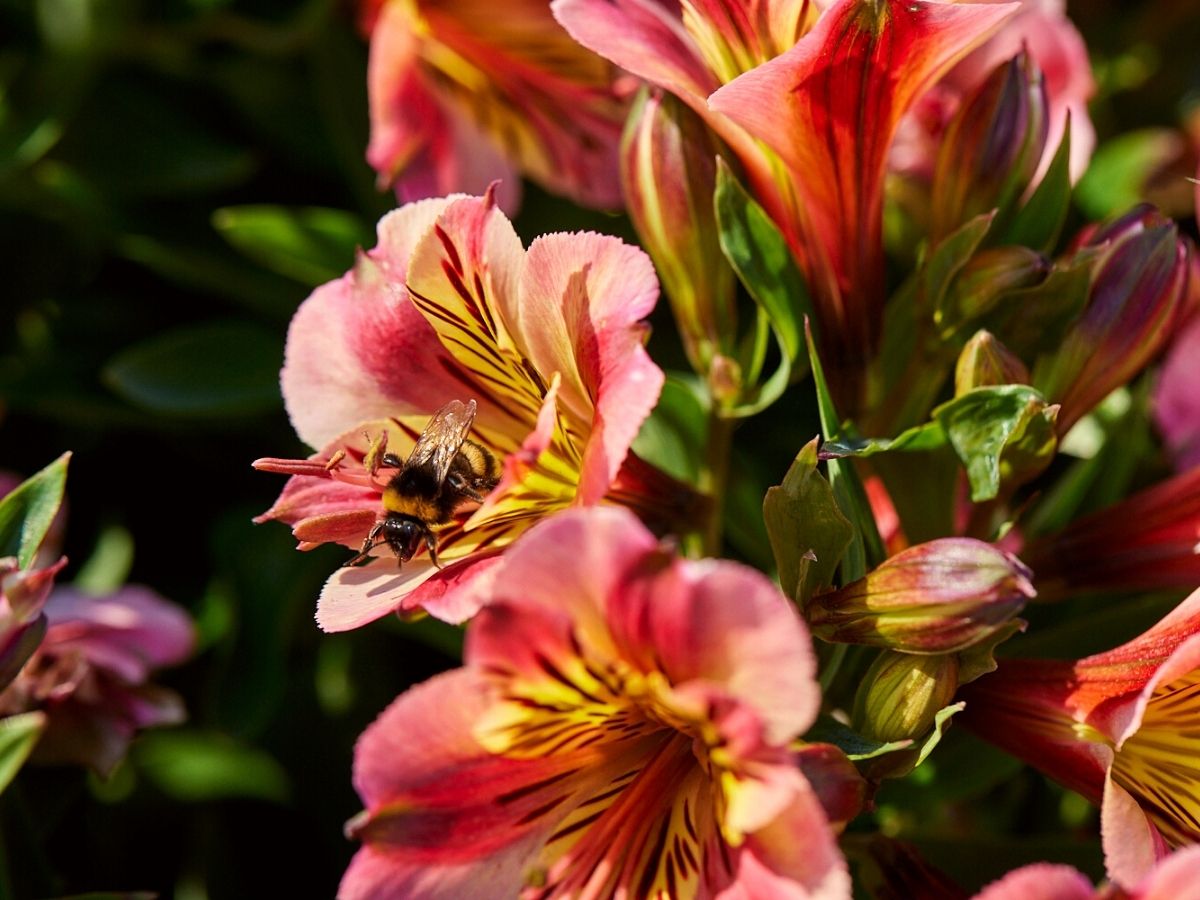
(463, 93)
(623, 727)
(449, 305)
(809, 105)
(90, 674)
(1118, 727)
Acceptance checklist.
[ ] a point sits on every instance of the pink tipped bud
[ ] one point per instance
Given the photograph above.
(668, 167)
(1139, 280)
(985, 362)
(992, 148)
(937, 597)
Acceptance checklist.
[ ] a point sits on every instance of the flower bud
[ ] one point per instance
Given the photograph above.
(1139, 281)
(983, 280)
(668, 168)
(901, 693)
(992, 148)
(937, 597)
(985, 362)
(22, 622)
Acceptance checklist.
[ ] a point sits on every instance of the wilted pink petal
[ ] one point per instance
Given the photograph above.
(590, 710)
(89, 674)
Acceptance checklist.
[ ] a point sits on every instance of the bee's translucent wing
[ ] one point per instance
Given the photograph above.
(439, 443)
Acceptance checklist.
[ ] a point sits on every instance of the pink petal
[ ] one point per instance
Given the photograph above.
(1176, 878)
(841, 790)
(757, 648)
(354, 596)
(1040, 881)
(642, 37)
(582, 299)
(1132, 846)
(796, 857)
(357, 350)
(128, 633)
(1176, 400)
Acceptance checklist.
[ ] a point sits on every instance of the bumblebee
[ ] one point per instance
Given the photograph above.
(444, 470)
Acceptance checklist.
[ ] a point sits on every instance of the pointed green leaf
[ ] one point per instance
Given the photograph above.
(26, 513)
(18, 735)
(807, 530)
(997, 432)
(310, 244)
(929, 436)
(856, 747)
(1041, 219)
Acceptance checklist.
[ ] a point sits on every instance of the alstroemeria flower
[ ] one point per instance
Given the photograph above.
(91, 671)
(793, 110)
(449, 306)
(1175, 878)
(621, 728)
(463, 93)
(1119, 727)
(1146, 541)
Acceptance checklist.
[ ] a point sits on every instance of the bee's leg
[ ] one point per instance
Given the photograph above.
(432, 544)
(369, 544)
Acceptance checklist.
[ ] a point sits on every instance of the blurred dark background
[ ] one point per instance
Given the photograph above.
(175, 177)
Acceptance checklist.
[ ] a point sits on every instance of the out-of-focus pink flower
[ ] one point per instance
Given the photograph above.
(449, 305)
(1118, 727)
(621, 727)
(23, 595)
(1146, 541)
(1175, 878)
(91, 671)
(1042, 29)
(793, 112)
(463, 93)
(1176, 403)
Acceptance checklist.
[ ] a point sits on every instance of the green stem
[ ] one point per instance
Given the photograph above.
(714, 479)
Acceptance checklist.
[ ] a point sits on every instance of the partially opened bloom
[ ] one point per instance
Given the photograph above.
(450, 306)
(1175, 878)
(621, 728)
(90, 675)
(1119, 727)
(23, 595)
(785, 90)
(1148, 540)
(464, 93)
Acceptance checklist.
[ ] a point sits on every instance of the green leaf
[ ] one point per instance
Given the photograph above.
(18, 736)
(947, 259)
(215, 369)
(866, 548)
(309, 244)
(1117, 174)
(108, 566)
(1035, 319)
(929, 436)
(27, 512)
(985, 424)
(672, 438)
(763, 262)
(194, 766)
(808, 533)
(857, 747)
(1041, 219)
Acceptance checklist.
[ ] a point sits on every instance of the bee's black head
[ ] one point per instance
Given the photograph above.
(404, 535)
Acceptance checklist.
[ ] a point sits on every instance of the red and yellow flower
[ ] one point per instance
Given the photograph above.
(449, 305)
(1119, 727)
(623, 727)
